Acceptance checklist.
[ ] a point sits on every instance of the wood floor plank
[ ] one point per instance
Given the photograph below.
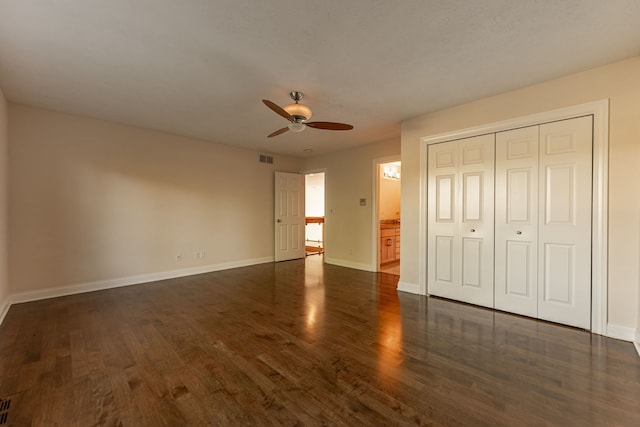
(303, 343)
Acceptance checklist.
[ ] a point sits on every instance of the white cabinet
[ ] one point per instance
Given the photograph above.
(520, 227)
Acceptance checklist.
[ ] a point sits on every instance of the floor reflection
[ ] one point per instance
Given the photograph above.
(314, 297)
(389, 332)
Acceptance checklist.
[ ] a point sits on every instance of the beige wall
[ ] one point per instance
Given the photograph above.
(348, 226)
(619, 83)
(93, 201)
(4, 284)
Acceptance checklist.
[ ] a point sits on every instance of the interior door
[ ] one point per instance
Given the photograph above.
(289, 216)
(460, 224)
(516, 221)
(564, 248)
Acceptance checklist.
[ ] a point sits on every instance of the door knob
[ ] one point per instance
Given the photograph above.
(473, 230)
(279, 220)
(518, 232)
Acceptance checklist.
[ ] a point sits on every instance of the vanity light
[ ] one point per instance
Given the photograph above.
(391, 172)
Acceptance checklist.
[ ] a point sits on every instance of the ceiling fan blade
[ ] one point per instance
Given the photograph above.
(278, 132)
(329, 125)
(279, 110)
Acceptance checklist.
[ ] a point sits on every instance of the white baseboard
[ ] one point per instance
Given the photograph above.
(4, 308)
(130, 280)
(636, 342)
(618, 332)
(350, 264)
(412, 288)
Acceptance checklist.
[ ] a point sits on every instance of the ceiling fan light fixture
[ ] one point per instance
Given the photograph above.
(298, 110)
(296, 126)
(298, 115)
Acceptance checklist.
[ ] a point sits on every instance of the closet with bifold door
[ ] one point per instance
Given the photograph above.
(509, 220)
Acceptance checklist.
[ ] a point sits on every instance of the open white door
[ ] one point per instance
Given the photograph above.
(289, 216)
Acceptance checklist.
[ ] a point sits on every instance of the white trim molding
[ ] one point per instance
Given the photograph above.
(128, 281)
(600, 112)
(350, 264)
(636, 342)
(411, 288)
(4, 308)
(623, 333)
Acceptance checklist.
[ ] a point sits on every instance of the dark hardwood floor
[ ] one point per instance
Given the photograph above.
(301, 343)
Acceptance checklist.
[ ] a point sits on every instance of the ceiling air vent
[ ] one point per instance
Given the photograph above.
(266, 159)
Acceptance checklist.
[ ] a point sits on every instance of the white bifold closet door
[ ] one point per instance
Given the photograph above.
(460, 220)
(543, 221)
(564, 235)
(516, 242)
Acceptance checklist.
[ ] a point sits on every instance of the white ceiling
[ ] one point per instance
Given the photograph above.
(200, 67)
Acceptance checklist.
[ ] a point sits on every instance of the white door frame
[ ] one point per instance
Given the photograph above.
(599, 234)
(375, 227)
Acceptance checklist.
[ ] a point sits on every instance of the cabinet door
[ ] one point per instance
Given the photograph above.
(516, 221)
(460, 220)
(564, 248)
(387, 249)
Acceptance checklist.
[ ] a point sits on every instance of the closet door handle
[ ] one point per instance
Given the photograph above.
(518, 232)
(473, 230)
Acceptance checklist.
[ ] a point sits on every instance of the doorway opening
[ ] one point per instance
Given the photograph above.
(314, 213)
(388, 214)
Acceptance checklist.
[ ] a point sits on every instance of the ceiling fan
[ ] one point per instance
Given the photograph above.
(298, 114)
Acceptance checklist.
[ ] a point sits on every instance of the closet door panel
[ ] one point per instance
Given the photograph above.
(519, 270)
(565, 226)
(443, 261)
(560, 194)
(444, 265)
(516, 221)
(559, 281)
(472, 262)
(476, 223)
(445, 198)
(472, 191)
